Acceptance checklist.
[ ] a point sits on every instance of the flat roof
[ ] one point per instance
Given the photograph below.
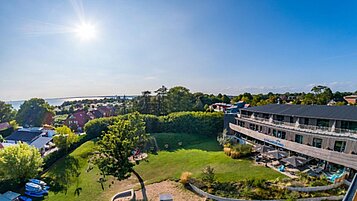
(345, 112)
(41, 142)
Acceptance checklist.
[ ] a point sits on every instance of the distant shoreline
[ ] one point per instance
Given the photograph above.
(59, 101)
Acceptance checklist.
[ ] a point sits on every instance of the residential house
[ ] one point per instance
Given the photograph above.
(77, 120)
(352, 99)
(37, 137)
(97, 114)
(106, 111)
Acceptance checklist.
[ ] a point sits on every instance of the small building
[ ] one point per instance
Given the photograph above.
(352, 99)
(77, 120)
(220, 107)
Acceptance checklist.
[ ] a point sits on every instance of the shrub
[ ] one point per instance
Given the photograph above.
(185, 177)
(227, 151)
(235, 154)
(208, 175)
(243, 149)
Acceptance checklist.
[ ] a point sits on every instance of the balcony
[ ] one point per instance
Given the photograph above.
(302, 127)
(347, 160)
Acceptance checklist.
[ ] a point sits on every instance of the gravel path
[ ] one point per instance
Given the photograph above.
(178, 192)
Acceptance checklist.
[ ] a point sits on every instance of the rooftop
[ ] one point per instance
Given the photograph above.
(41, 142)
(347, 113)
(24, 136)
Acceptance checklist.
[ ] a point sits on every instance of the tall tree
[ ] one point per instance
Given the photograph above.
(115, 148)
(35, 112)
(6, 112)
(180, 99)
(160, 95)
(145, 95)
(64, 137)
(20, 162)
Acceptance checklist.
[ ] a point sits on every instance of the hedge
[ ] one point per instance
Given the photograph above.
(205, 123)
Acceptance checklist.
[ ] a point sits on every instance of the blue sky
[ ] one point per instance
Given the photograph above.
(210, 46)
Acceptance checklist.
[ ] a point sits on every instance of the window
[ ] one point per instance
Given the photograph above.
(279, 117)
(283, 135)
(291, 119)
(317, 142)
(323, 123)
(266, 116)
(340, 146)
(349, 125)
(279, 134)
(299, 138)
(306, 121)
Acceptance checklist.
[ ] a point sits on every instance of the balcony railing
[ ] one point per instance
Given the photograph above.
(300, 126)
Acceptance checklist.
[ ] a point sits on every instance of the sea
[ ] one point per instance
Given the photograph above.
(58, 101)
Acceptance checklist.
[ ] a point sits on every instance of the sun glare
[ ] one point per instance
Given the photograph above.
(86, 31)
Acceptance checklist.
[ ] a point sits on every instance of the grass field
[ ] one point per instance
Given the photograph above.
(193, 154)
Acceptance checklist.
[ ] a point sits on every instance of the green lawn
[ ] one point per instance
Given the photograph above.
(195, 153)
(65, 184)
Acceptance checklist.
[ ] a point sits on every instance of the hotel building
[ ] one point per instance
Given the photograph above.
(326, 133)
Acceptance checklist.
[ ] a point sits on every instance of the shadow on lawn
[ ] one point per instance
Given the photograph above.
(204, 146)
(64, 175)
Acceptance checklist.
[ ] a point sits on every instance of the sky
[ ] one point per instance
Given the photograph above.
(226, 46)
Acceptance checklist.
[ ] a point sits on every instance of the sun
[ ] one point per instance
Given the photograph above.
(86, 31)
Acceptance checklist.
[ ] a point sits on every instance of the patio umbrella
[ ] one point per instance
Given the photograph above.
(295, 161)
(277, 154)
(263, 149)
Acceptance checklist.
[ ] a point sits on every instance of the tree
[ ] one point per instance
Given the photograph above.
(116, 146)
(6, 112)
(323, 94)
(64, 137)
(226, 99)
(35, 112)
(179, 99)
(160, 95)
(20, 162)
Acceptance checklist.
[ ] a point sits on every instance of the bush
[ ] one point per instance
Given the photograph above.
(227, 151)
(185, 177)
(235, 154)
(203, 123)
(208, 175)
(96, 127)
(237, 151)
